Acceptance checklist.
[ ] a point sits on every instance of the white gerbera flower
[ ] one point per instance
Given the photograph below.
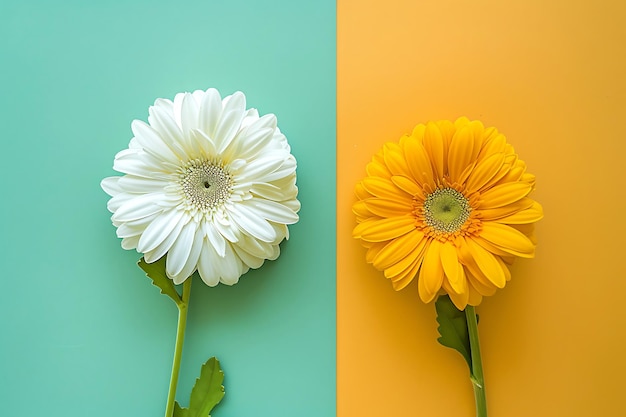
(207, 183)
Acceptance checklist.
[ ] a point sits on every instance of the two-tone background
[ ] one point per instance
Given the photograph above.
(317, 332)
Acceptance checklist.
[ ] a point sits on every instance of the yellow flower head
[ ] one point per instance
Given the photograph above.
(449, 205)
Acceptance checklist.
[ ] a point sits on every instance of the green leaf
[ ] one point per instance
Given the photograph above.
(156, 272)
(206, 393)
(453, 328)
(179, 411)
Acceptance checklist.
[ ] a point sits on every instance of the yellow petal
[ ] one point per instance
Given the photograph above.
(394, 158)
(380, 230)
(373, 250)
(402, 280)
(408, 186)
(433, 143)
(461, 152)
(484, 171)
(387, 208)
(503, 194)
(418, 132)
(496, 179)
(530, 215)
(494, 143)
(528, 179)
(402, 283)
(360, 210)
(461, 121)
(476, 283)
(377, 169)
(487, 264)
(527, 230)
(430, 273)
(504, 211)
(475, 298)
(399, 248)
(397, 270)
(505, 268)
(384, 188)
(360, 191)
(418, 162)
(459, 300)
(447, 129)
(508, 239)
(452, 268)
(488, 246)
(514, 174)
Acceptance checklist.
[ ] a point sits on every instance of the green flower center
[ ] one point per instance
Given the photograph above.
(446, 210)
(205, 184)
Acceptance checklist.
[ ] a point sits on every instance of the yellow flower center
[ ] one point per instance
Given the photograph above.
(205, 184)
(446, 210)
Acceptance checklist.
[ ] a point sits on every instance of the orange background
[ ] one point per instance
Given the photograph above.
(550, 75)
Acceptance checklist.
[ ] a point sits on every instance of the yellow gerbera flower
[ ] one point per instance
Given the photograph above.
(449, 205)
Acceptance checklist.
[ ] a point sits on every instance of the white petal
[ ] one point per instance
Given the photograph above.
(272, 211)
(250, 222)
(139, 207)
(198, 95)
(110, 186)
(258, 169)
(178, 104)
(189, 114)
(268, 191)
(286, 169)
(226, 228)
(281, 231)
(134, 228)
(230, 267)
(228, 126)
(163, 122)
(152, 142)
(165, 104)
(178, 255)
(192, 260)
(255, 247)
(207, 265)
(159, 230)
(248, 144)
(215, 238)
(141, 185)
(210, 111)
(140, 166)
(118, 200)
(203, 144)
(130, 242)
(236, 101)
(248, 259)
(253, 138)
(165, 245)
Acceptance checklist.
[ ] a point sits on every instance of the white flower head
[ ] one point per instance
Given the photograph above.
(207, 183)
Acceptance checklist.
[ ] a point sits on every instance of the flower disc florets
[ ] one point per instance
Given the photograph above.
(207, 183)
(446, 210)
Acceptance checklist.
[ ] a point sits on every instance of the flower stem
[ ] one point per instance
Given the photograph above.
(178, 349)
(478, 381)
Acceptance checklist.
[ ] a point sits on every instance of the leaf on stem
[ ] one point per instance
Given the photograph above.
(206, 393)
(453, 328)
(179, 411)
(156, 272)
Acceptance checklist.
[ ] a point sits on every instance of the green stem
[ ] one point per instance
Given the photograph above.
(478, 381)
(178, 349)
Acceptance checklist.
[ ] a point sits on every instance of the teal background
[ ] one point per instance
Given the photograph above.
(82, 330)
